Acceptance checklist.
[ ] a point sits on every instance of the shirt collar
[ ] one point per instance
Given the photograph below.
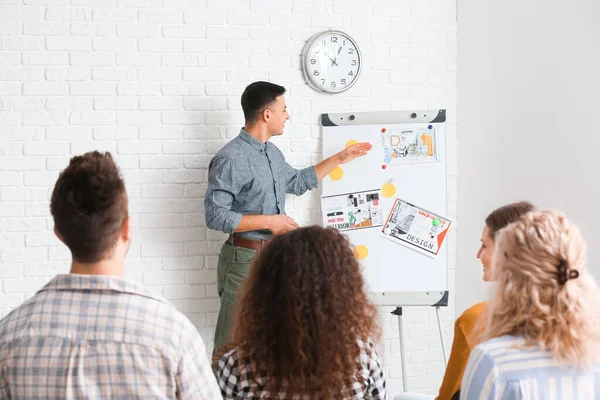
(99, 283)
(252, 141)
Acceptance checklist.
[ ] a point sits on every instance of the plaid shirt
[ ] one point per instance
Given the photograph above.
(101, 337)
(243, 382)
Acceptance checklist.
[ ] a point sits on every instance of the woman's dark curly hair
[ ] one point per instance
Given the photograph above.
(301, 313)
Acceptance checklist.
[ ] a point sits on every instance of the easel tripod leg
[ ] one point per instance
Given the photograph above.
(398, 312)
(439, 321)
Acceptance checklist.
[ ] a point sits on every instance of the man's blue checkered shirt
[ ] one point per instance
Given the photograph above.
(101, 337)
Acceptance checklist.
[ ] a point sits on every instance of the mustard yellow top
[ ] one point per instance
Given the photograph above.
(466, 330)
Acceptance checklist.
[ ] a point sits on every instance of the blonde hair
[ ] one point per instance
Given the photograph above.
(538, 293)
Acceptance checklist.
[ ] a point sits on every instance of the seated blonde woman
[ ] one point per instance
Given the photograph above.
(469, 325)
(543, 332)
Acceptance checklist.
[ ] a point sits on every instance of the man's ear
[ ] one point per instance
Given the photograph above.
(266, 115)
(58, 235)
(126, 230)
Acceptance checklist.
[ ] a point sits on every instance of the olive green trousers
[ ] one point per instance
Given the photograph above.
(232, 269)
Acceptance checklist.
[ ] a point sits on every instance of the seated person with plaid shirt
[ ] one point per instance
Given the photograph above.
(304, 326)
(93, 334)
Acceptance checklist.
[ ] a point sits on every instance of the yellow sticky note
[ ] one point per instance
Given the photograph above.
(361, 252)
(336, 174)
(388, 190)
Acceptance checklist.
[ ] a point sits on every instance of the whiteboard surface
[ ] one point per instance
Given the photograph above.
(391, 268)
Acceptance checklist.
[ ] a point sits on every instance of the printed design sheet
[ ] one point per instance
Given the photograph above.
(352, 211)
(409, 146)
(416, 228)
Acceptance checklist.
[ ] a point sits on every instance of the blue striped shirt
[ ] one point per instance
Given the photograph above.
(503, 368)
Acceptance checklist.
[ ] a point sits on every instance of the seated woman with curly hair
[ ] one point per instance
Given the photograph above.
(304, 327)
(543, 332)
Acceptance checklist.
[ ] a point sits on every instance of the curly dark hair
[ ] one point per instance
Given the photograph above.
(89, 206)
(301, 313)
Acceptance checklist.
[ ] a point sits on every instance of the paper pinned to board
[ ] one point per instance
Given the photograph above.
(409, 146)
(352, 211)
(416, 228)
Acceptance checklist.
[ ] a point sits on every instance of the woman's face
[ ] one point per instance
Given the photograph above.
(485, 253)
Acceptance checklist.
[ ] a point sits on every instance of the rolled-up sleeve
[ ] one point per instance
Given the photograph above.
(224, 184)
(299, 181)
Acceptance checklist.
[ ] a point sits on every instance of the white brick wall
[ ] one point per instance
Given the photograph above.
(158, 84)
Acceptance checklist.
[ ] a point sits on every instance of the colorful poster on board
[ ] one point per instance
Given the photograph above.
(352, 211)
(409, 146)
(416, 228)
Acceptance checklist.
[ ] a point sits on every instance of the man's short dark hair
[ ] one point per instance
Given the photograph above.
(89, 206)
(257, 96)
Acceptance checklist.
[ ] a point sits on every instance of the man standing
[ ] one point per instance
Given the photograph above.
(247, 183)
(92, 334)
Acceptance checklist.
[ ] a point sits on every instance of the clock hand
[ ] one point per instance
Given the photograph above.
(334, 61)
(328, 55)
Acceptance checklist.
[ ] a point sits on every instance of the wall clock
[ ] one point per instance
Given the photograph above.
(331, 61)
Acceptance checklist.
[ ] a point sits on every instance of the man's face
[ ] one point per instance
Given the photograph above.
(277, 116)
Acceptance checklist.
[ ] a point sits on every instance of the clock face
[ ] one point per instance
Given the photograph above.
(331, 62)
